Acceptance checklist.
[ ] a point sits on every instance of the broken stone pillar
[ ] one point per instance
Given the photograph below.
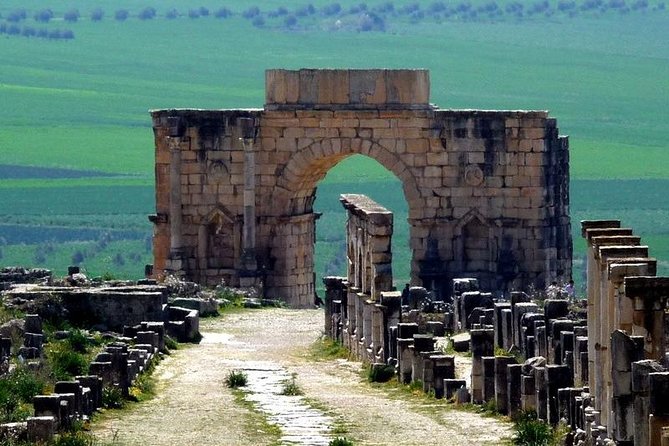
(451, 386)
(351, 323)
(335, 290)
(528, 397)
(640, 388)
(32, 324)
(444, 368)
(658, 390)
(41, 430)
(540, 339)
(391, 306)
(421, 343)
(488, 366)
(404, 360)
(501, 381)
(541, 390)
(482, 344)
(555, 349)
(507, 328)
(518, 311)
(557, 377)
(580, 360)
(498, 322)
(513, 389)
(624, 351)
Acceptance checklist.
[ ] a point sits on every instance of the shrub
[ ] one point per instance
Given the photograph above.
(193, 14)
(112, 398)
(78, 341)
(258, 22)
(65, 363)
(147, 13)
(291, 388)
(529, 431)
(97, 15)
(71, 16)
(75, 438)
(340, 441)
(16, 389)
(172, 14)
(204, 12)
(121, 15)
(236, 378)
(380, 373)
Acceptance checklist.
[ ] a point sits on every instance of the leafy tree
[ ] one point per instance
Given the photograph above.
(193, 13)
(258, 22)
(28, 31)
(43, 15)
(330, 10)
(252, 12)
(71, 16)
(121, 15)
(304, 11)
(13, 30)
(118, 259)
(97, 15)
(17, 15)
(172, 14)
(290, 21)
(67, 34)
(204, 12)
(147, 13)
(222, 13)
(42, 33)
(78, 257)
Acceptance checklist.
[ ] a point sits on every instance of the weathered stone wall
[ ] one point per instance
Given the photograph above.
(487, 190)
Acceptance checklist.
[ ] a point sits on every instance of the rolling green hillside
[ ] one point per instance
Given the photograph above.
(81, 104)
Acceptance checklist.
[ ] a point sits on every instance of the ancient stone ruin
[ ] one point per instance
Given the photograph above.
(487, 191)
(599, 367)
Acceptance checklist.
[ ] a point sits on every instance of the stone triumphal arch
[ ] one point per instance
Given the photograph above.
(487, 190)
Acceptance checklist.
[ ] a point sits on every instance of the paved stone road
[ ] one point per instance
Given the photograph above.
(193, 405)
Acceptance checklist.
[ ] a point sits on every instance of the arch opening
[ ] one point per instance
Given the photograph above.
(358, 174)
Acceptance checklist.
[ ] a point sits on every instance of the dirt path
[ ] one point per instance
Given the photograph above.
(193, 405)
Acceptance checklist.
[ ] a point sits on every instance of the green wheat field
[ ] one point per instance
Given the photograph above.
(76, 146)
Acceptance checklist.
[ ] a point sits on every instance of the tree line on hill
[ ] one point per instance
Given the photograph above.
(360, 17)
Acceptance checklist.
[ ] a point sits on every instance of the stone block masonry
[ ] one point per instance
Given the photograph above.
(487, 191)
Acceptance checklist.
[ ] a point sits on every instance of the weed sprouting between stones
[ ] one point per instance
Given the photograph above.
(291, 388)
(340, 441)
(236, 378)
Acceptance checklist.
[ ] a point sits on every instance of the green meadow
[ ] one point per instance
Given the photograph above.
(82, 104)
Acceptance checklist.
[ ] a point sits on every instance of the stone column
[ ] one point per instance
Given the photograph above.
(482, 344)
(488, 366)
(501, 383)
(335, 290)
(557, 377)
(249, 261)
(513, 388)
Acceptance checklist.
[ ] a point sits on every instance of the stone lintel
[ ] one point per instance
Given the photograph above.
(621, 268)
(615, 240)
(610, 252)
(598, 232)
(597, 224)
(647, 287)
